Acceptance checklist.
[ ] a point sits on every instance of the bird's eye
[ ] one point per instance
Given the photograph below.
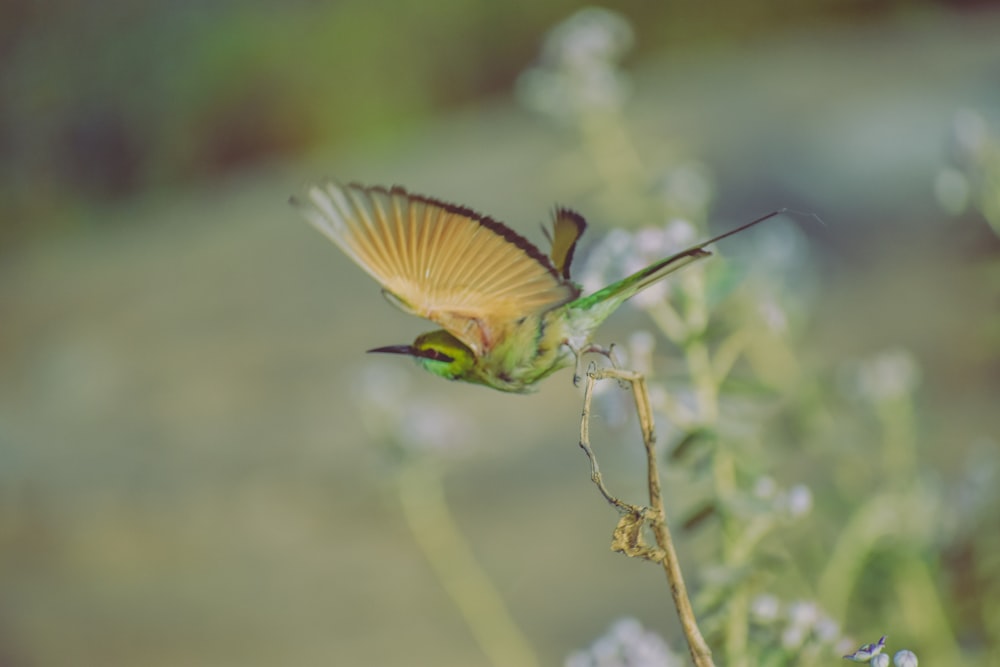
(436, 355)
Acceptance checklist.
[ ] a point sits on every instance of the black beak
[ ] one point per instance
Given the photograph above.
(398, 349)
(409, 350)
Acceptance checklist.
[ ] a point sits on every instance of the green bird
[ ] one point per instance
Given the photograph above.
(510, 315)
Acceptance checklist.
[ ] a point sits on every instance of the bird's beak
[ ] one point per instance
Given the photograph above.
(415, 352)
(397, 349)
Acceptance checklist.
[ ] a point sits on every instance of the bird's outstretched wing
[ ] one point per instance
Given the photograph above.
(467, 272)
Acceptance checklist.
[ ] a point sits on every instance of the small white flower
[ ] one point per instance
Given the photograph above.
(827, 630)
(792, 637)
(627, 644)
(773, 314)
(799, 501)
(765, 487)
(618, 242)
(905, 658)
(627, 630)
(650, 650)
(605, 651)
(803, 614)
(579, 70)
(590, 36)
(765, 608)
(651, 242)
(605, 263)
(889, 375)
(880, 660)
(680, 233)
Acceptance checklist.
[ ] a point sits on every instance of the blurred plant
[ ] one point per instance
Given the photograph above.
(420, 435)
(973, 179)
(736, 398)
(739, 371)
(627, 644)
(791, 633)
(970, 181)
(578, 84)
(903, 507)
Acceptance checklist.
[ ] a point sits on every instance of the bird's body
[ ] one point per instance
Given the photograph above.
(511, 316)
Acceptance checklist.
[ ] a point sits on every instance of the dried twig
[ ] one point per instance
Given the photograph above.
(628, 534)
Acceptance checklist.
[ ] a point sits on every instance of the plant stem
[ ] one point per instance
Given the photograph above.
(706, 382)
(701, 654)
(436, 532)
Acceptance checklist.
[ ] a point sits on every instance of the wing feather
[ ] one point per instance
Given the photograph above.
(467, 272)
(567, 227)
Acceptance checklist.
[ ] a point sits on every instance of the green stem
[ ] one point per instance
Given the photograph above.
(869, 523)
(706, 390)
(436, 532)
(706, 384)
(737, 619)
(899, 435)
(923, 610)
(737, 627)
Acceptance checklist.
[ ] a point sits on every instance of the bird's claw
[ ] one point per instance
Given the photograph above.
(607, 352)
(612, 357)
(578, 376)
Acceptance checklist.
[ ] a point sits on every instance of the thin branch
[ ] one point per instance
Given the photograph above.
(628, 533)
(595, 469)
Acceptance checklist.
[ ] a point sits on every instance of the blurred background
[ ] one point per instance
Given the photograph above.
(198, 463)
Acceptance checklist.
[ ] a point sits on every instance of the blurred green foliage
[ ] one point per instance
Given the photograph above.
(103, 101)
(188, 474)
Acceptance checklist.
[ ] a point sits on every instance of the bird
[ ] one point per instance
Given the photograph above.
(510, 315)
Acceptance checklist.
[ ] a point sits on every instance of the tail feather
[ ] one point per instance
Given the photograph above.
(599, 305)
(603, 302)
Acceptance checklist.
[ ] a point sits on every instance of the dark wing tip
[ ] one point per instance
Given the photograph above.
(564, 213)
(564, 240)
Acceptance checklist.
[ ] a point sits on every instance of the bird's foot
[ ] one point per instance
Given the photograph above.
(607, 352)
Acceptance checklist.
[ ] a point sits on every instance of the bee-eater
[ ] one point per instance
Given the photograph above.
(510, 314)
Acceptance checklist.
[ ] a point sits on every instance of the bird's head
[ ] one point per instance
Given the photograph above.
(439, 352)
